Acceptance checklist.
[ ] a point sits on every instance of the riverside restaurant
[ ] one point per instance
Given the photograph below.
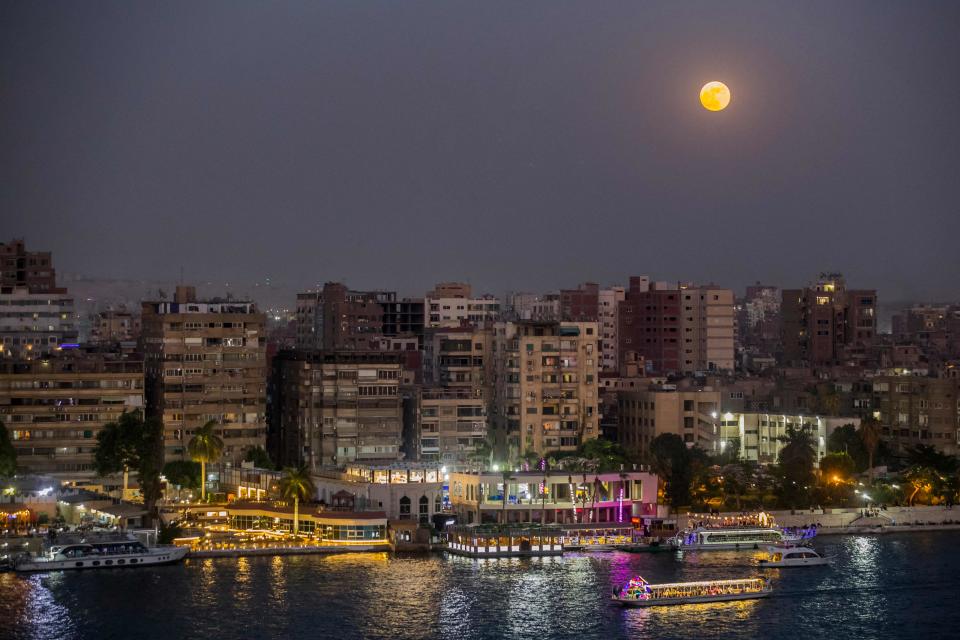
(262, 521)
(504, 541)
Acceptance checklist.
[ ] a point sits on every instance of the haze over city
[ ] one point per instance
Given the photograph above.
(522, 147)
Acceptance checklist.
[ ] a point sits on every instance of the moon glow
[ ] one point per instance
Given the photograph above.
(715, 96)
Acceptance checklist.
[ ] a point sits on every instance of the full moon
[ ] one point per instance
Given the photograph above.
(715, 96)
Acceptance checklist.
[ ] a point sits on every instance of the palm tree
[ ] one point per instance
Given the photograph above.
(296, 483)
(205, 446)
(870, 434)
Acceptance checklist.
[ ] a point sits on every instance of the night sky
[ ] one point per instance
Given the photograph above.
(521, 145)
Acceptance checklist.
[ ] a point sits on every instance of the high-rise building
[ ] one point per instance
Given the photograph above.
(452, 423)
(32, 270)
(678, 329)
(205, 360)
(332, 408)
(826, 323)
(458, 357)
(546, 394)
(759, 437)
(36, 316)
(608, 317)
(338, 318)
(35, 324)
(53, 408)
(759, 318)
(581, 304)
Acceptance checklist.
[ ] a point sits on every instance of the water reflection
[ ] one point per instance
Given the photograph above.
(876, 585)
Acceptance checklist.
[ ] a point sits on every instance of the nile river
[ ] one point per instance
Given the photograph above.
(894, 586)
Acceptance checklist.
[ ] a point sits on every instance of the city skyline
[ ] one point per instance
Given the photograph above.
(390, 146)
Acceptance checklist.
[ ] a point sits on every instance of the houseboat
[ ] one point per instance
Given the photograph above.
(639, 593)
(100, 555)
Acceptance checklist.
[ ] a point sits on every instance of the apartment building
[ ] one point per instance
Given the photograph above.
(53, 408)
(608, 310)
(452, 425)
(645, 414)
(32, 270)
(451, 304)
(334, 408)
(916, 410)
(35, 324)
(826, 323)
(678, 328)
(759, 437)
(113, 326)
(532, 306)
(581, 304)
(205, 360)
(338, 318)
(458, 357)
(546, 394)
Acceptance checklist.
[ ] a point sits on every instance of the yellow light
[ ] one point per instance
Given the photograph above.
(715, 96)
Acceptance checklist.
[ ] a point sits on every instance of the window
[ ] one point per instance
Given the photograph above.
(404, 508)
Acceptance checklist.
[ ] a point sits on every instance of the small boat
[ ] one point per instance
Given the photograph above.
(793, 557)
(639, 593)
(101, 555)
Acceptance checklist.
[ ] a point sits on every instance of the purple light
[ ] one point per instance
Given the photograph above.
(70, 345)
(620, 506)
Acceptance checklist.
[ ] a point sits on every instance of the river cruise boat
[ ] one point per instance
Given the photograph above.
(100, 555)
(793, 557)
(639, 593)
(740, 533)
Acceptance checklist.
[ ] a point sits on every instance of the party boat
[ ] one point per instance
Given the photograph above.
(639, 593)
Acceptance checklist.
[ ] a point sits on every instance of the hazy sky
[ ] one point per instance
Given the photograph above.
(525, 145)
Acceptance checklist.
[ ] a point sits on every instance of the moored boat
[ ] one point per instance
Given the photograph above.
(639, 593)
(100, 555)
(742, 533)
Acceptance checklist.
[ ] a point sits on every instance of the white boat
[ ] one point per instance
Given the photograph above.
(639, 593)
(736, 538)
(793, 557)
(101, 555)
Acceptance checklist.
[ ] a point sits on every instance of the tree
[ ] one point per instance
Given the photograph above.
(259, 457)
(795, 466)
(297, 484)
(481, 453)
(870, 435)
(8, 455)
(205, 446)
(736, 478)
(847, 440)
(675, 464)
(921, 478)
(183, 473)
(837, 467)
(133, 443)
(603, 455)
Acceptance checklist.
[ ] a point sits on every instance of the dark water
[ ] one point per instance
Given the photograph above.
(897, 586)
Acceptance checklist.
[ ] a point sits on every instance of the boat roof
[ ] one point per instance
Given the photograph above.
(704, 583)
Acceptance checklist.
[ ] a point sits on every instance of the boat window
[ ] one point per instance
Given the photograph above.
(79, 564)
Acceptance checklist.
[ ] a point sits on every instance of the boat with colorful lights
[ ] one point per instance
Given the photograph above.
(640, 593)
(739, 533)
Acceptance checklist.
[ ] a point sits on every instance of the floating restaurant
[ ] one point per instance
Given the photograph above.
(504, 541)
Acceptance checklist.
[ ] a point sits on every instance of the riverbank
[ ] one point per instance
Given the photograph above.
(287, 551)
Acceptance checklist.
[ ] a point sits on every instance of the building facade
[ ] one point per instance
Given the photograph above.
(678, 329)
(205, 360)
(916, 410)
(54, 408)
(608, 301)
(335, 408)
(645, 414)
(35, 324)
(759, 437)
(826, 323)
(545, 377)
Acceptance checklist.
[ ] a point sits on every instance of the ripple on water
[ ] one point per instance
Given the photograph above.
(877, 584)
